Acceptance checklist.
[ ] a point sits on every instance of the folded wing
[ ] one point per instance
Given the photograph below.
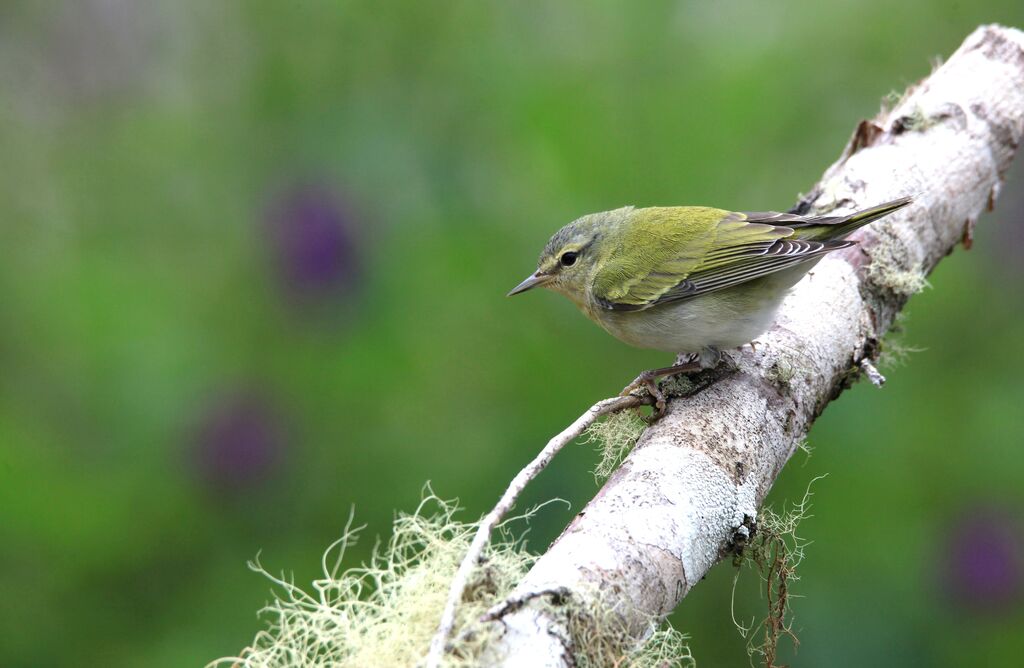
(739, 247)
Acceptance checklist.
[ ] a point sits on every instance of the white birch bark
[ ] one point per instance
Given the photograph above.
(697, 477)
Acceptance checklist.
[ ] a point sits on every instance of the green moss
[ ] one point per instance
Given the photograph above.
(600, 636)
(891, 100)
(385, 613)
(894, 352)
(774, 551)
(915, 121)
(781, 371)
(805, 447)
(891, 266)
(615, 435)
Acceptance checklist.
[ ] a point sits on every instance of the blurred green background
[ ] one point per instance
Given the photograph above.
(253, 264)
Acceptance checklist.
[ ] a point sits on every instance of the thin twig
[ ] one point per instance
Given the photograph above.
(873, 374)
(504, 505)
(514, 603)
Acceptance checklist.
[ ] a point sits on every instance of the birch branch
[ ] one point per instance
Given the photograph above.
(504, 505)
(693, 483)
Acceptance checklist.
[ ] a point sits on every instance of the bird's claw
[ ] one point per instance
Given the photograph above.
(648, 381)
(659, 403)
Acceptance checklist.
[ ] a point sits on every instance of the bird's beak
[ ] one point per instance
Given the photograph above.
(537, 278)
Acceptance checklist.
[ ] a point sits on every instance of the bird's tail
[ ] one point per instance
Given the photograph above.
(838, 227)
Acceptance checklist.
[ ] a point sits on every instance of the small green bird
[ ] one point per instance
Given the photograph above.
(688, 279)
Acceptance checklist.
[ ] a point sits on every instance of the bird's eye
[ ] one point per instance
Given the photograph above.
(568, 259)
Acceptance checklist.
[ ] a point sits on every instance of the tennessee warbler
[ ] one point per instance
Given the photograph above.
(688, 279)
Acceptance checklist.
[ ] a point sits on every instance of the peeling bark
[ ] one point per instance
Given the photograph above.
(696, 478)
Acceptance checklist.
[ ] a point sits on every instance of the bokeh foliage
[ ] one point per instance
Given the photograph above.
(252, 273)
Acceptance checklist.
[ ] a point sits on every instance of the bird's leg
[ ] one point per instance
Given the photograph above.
(709, 357)
(648, 380)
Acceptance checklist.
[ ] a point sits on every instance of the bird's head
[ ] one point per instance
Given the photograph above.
(574, 253)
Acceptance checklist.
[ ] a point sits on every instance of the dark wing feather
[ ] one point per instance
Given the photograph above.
(782, 254)
(791, 219)
(738, 265)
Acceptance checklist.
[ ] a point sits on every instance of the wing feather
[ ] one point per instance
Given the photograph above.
(735, 250)
(724, 277)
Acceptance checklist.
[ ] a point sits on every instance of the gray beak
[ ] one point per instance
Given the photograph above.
(533, 281)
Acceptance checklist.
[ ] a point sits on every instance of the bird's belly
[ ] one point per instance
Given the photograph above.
(724, 319)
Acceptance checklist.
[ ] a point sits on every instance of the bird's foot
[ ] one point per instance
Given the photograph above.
(709, 357)
(649, 380)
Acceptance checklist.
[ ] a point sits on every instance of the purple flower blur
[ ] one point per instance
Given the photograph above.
(239, 442)
(984, 567)
(314, 242)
